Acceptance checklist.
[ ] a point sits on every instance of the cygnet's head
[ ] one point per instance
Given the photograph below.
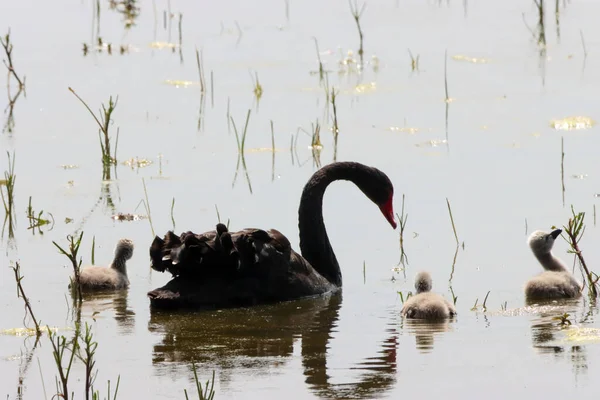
(542, 242)
(124, 249)
(423, 282)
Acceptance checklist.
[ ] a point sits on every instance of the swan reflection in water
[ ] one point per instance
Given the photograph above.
(425, 331)
(98, 305)
(550, 338)
(263, 337)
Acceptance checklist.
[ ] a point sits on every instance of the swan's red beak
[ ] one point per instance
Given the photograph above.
(387, 209)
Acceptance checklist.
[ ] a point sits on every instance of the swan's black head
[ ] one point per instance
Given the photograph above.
(379, 189)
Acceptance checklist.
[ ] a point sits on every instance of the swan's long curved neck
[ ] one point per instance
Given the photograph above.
(314, 242)
(119, 264)
(551, 263)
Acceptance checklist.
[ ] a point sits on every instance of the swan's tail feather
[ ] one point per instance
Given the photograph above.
(218, 253)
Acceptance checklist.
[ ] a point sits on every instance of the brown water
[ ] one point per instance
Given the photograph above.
(500, 168)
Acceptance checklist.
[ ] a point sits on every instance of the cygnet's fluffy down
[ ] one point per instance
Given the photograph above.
(556, 282)
(427, 305)
(111, 277)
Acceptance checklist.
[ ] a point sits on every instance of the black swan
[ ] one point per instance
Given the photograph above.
(219, 269)
(112, 277)
(425, 304)
(556, 282)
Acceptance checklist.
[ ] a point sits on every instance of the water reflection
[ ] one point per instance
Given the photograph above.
(259, 337)
(127, 8)
(549, 336)
(425, 331)
(98, 304)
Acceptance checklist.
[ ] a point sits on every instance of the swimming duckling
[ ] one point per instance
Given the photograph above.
(427, 305)
(556, 282)
(112, 277)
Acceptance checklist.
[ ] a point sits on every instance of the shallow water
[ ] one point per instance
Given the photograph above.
(500, 168)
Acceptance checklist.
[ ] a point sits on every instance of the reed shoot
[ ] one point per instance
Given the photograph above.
(8, 49)
(452, 221)
(574, 231)
(104, 121)
(36, 221)
(356, 14)
(74, 244)
(414, 63)
(9, 197)
(200, 63)
(321, 69)
(402, 221)
(21, 293)
(207, 393)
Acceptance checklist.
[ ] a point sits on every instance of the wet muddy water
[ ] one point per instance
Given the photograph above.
(493, 150)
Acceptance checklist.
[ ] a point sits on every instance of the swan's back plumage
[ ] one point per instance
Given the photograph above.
(552, 285)
(98, 278)
(428, 305)
(425, 304)
(231, 269)
(112, 277)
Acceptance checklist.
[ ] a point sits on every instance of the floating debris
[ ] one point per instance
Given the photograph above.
(164, 45)
(68, 220)
(572, 123)
(432, 143)
(29, 331)
(136, 162)
(179, 84)
(69, 166)
(473, 60)
(128, 217)
(583, 335)
(579, 176)
(409, 130)
(263, 149)
(365, 88)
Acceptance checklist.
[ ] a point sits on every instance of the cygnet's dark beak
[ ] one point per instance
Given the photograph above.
(555, 233)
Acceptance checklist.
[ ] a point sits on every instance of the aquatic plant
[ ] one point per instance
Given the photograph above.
(321, 69)
(103, 122)
(402, 222)
(207, 393)
(83, 347)
(574, 230)
(454, 297)
(21, 293)
(563, 319)
(146, 202)
(36, 222)
(452, 221)
(258, 89)
(241, 142)
(59, 346)
(74, 244)
(200, 64)
(8, 49)
(335, 129)
(483, 306)
(447, 98)
(8, 199)
(356, 14)
(414, 63)
(401, 295)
